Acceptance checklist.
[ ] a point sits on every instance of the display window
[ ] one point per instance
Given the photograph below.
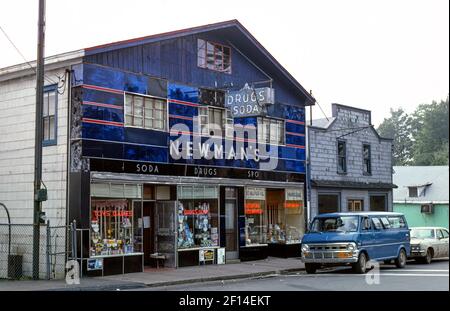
(285, 217)
(254, 209)
(294, 215)
(198, 217)
(116, 221)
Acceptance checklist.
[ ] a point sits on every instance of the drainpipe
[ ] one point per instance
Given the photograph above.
(69, 128)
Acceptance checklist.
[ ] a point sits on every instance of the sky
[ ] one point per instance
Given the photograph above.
(374, 55)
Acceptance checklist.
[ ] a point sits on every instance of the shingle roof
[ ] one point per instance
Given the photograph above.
(323, 123)
(419, 176)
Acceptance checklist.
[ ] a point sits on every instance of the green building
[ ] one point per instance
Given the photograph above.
(422, 195)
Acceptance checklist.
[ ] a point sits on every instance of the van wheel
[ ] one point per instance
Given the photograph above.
(360, 266)
(310, 268)
(400, 261)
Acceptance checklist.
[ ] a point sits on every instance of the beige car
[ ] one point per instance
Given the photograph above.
(428, 243)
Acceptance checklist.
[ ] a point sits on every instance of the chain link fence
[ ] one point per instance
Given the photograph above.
(16, 251)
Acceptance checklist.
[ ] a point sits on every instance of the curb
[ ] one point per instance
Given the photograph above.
(225, 278)
(137, 285)
(108, 287)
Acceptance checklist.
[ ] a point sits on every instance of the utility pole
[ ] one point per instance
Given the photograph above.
(39, 194)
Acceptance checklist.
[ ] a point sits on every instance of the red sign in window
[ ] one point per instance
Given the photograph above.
(293, 204)
(253, 208)
(113, 213)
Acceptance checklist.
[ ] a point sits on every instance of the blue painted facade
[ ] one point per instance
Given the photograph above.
(105, 77)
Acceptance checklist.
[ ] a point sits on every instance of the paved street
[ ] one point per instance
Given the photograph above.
(419, 277)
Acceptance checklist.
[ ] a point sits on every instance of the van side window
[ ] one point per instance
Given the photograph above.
(365, 224)
(385, 222)
(397, 222)
(377, 223)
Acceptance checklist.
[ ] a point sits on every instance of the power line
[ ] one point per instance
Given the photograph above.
(322, 111)
(23, 57)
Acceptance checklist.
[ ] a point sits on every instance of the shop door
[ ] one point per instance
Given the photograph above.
(355, 205)
(231, 232)
(165, 232)
(148, 213)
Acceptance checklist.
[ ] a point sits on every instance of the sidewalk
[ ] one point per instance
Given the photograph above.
(165, 277)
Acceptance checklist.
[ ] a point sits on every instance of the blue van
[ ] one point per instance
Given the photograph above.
(354, 239)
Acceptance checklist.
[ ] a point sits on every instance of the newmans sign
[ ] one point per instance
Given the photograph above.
(249, 101)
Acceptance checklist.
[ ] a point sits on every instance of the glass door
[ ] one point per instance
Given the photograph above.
(231, 232)
(355, 205)
(165, 232)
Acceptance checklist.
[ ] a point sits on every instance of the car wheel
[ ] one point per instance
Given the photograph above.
(360, 266)
(310, 268)
(400, 261)
(428, 257)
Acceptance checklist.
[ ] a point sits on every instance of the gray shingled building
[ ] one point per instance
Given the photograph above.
(351, 165)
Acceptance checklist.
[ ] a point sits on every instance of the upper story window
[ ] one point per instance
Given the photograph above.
(210, 117)
(213, 56)
(367, 165)
(145, 112)
(342, 157)
(270, 131)
(49, 115)
(413, 192)
(210, 97)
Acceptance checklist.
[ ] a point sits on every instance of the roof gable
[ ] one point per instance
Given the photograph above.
(232, 31)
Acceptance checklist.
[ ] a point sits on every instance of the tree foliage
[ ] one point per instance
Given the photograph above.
(421, 138)
(398, 128)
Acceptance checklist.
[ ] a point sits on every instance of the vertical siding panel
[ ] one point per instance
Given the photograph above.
(176, 60)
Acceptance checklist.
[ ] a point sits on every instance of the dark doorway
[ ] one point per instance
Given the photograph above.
(231, 225)
(148, 223)
(328, 203)
(378, 203)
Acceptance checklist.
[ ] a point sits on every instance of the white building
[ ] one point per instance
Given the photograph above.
(17, 137)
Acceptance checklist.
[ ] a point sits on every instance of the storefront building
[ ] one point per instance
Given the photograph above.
(187, 148)
(351, 165)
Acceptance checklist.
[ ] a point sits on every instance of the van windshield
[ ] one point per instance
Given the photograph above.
(335, 224)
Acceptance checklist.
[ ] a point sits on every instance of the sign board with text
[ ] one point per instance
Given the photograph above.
(294, 194)
(249, 101)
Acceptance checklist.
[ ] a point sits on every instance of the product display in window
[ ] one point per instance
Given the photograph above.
(285, 217)
(185, 236)
(112, 228)
(194, 226)
(254, 232)
(276, 234)
(293, 235)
